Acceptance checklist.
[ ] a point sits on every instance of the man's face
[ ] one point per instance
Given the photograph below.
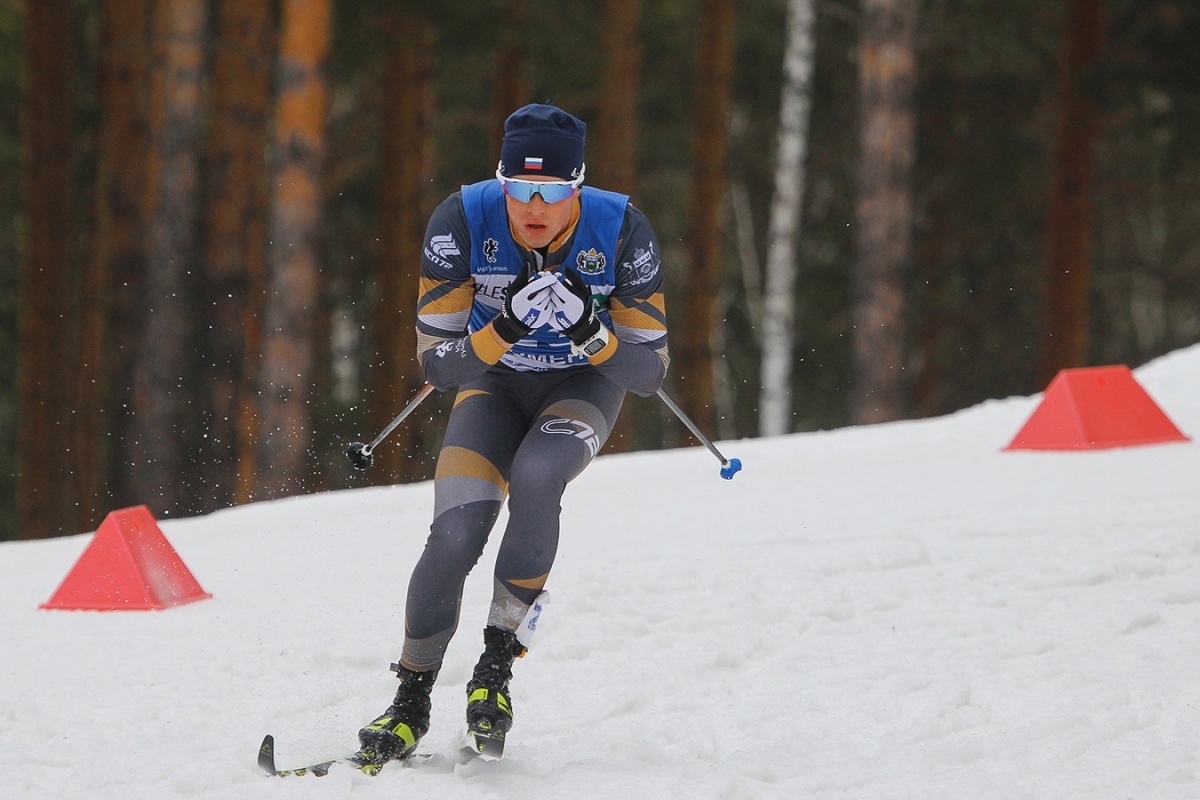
(537, 221)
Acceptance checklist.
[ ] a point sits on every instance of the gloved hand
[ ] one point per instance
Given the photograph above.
(528, 305)
(572, 301)
(575, 314)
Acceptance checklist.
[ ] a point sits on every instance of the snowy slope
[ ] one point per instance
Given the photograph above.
(884, 612)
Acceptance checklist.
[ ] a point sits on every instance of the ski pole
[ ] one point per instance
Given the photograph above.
(360, 454)
(729, 466)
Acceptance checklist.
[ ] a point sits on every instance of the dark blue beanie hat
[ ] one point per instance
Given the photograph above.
(542, 140)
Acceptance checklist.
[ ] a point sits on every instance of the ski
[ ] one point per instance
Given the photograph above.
(359, 760)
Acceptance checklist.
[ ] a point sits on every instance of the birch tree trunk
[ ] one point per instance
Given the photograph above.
(883, 206)
(779, 296)
(293, 284)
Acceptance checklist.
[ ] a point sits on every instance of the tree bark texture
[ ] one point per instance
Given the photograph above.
(613, 139)
(115, 272)
(46, 493)
(511, 90)
(714, 81)
(1069, 226)
(235, 239)
(612, 145)
(161, 402)
(883, 207)
(405, 171)
(293, 284)
(779, 296)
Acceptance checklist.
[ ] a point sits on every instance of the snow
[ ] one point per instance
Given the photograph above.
(891, 611)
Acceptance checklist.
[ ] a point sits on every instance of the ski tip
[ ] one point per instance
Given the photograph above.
(266, 755)
(731, 468)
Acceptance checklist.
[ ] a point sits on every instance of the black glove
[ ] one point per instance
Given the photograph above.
(526, 306)
(588, 324)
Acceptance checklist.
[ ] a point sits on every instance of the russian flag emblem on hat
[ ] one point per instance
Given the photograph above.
(533, 163)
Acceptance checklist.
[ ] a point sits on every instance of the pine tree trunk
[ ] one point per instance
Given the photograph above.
(714, 81)
(118, 272)
(1069, 227)
(403, 205)
(293, 283)
(779, 295)
(114, 274)
(883, 207)
(235, 237)
(612, 146)
(511, 90)
(46, 501)
(612, 141)
(161, 403)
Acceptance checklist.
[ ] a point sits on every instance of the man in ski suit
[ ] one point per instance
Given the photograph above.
(541, 304)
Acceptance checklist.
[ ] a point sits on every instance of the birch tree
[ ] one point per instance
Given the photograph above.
(779, 297)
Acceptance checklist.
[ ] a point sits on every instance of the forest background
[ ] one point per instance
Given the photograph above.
(211, 215)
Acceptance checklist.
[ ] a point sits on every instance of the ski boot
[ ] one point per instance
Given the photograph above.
(489, 710)
(394, 733)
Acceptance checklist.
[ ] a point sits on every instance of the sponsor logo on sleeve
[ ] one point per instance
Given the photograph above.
(440, 248)
(444, 246)
(452, 347)
(642, 268)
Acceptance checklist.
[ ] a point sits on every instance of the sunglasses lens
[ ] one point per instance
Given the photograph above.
(520, 191)
(556, 192)
(523, 191)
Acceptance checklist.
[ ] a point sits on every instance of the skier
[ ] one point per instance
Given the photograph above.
(541, 304)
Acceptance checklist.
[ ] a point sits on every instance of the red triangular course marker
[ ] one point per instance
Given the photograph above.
(1092, 408)
(128, 566)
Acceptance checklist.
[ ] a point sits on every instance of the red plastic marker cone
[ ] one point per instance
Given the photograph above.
(129, 565)
(1094, 408)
